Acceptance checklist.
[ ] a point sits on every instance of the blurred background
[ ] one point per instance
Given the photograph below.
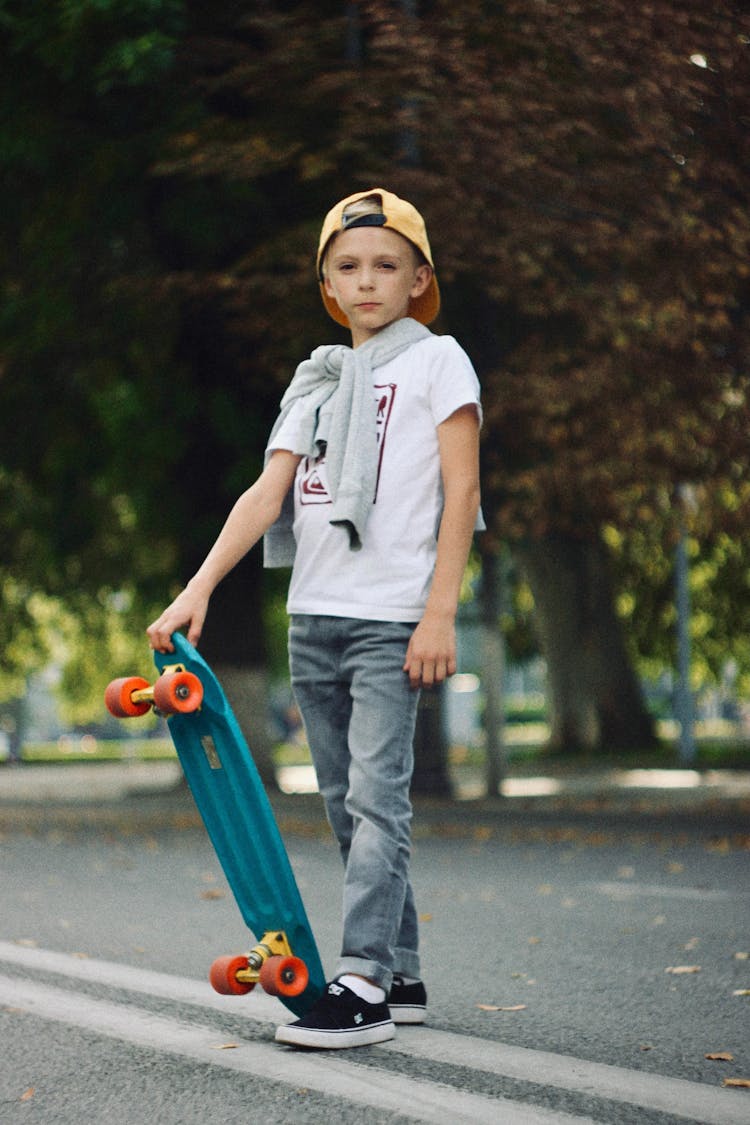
(583, 171)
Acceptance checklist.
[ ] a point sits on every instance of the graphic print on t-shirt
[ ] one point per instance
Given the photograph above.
(311, 486)
(311, 479)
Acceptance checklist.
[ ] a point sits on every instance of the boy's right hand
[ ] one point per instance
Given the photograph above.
(188, 609)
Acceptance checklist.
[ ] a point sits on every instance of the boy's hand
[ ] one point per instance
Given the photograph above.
(189, 608)
(431, 655)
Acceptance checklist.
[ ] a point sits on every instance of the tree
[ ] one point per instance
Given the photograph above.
(598, 273)
(109, 477)
(83, 96)
(591, 155)
(580, 169)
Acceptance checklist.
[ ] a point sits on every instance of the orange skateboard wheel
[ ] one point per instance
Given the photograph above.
(223, 976)
(118, 697)
(284, 976)
(178, 693)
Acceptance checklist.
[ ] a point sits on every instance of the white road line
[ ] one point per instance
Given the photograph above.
(677, 1096)
(695, 1101)
(344, 1078)
(164, 986)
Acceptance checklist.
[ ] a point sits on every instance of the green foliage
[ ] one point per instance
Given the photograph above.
(24, 645)
(95, 45)
(719, 578)
(166, 165)
(98, 639)
(89, 640)
(84, 344)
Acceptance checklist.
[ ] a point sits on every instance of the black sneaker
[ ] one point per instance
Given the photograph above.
(407, 1002)
(339, 1019)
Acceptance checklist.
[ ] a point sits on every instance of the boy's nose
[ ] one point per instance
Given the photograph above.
(366, 280)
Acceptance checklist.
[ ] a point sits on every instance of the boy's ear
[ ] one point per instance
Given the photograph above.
(422, 279)
(327, 285)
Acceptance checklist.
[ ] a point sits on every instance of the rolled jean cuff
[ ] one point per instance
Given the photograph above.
(371, 970)
(406, 964)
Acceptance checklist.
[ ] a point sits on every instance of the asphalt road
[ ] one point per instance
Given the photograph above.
(580, 966)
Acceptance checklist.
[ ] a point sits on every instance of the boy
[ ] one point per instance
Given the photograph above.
(371, 490)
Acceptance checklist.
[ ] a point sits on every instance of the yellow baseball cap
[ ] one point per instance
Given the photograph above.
(380, 208)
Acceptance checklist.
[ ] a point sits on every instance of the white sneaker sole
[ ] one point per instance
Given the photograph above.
(407, 1013)
(334, 1040)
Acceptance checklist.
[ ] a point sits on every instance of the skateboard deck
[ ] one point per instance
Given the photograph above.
(235, 809)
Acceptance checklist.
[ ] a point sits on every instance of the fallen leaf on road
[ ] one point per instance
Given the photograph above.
(742, 956)
(28, 1094)
(739, 1083)
(208, 895)
(501, 1008)
(741, 992)
(719, 1056)
(224, 1046)
(425, 917)
(681, 970)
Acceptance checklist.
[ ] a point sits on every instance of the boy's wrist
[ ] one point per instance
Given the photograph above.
(201, 585)
(445, 613)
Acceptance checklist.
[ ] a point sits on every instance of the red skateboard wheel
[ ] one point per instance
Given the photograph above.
(223, 976)
(178, 693)
(284, 976)
(118, 697)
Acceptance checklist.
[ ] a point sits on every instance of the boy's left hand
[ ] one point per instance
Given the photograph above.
(431, 655)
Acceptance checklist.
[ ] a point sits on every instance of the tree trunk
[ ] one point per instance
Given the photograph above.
(234, 644)
(493, 673)
(595, 700)
(14, 726)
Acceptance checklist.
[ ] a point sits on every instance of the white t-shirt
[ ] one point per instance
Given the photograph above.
(389, 578)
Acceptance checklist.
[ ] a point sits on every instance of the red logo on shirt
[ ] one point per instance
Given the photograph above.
(385, 399)
(311, 487)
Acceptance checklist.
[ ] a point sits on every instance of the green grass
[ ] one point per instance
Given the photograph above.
(524, 750)
(89, 749)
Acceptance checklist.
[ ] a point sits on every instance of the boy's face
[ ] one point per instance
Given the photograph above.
(372, 273)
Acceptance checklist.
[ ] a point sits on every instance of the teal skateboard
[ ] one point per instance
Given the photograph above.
(232, 801)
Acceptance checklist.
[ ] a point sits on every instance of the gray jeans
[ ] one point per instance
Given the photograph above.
(359, 714)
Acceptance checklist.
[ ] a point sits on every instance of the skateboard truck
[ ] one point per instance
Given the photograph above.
(270, 963)
(177, 691)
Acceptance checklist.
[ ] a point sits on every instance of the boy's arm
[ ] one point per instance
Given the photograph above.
(255, 511)
(431, 655)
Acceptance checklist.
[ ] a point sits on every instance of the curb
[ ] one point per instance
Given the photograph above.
(143, 798)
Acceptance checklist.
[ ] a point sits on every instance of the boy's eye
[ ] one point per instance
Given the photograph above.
(348, 267)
